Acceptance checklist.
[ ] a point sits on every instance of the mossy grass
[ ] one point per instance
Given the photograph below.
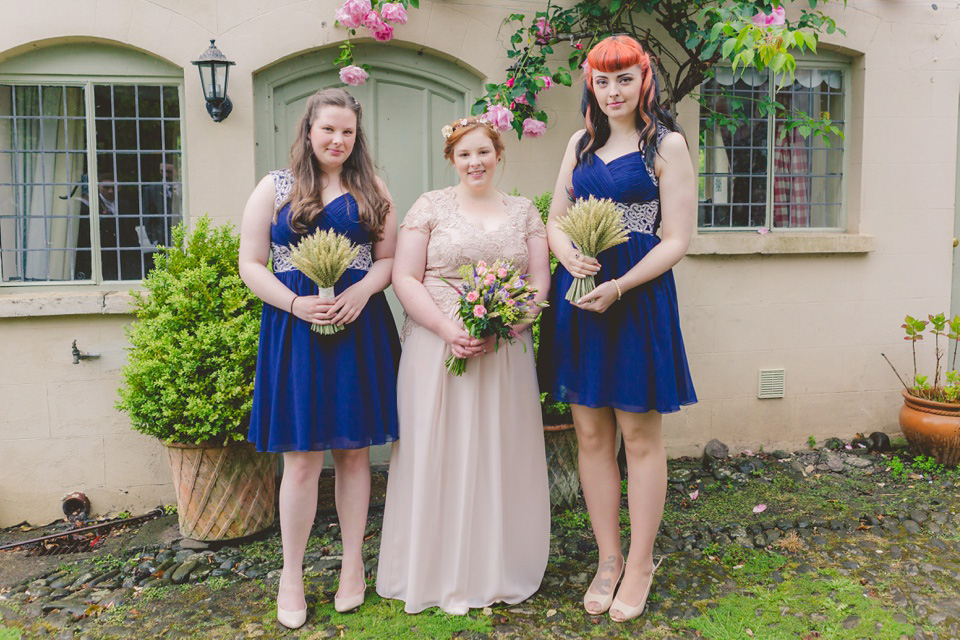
(799, 607)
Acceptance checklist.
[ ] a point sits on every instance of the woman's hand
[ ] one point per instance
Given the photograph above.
(488, 345)
(313, 309)
(461, 343)
(600, 299)
(577, 264)
(348, 305)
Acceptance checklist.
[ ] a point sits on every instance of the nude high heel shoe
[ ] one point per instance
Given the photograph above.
(629, 613)
(290, 619)
(343, 605)
(603, 601)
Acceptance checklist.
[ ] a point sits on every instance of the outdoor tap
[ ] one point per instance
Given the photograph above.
(79, 355)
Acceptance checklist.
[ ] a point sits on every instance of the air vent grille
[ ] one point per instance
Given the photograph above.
(771, 383)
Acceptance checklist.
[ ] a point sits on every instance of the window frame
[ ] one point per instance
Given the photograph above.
(824, 60)
(87, 82)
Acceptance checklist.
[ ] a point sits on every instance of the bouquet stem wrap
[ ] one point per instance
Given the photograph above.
(594, 226)
(323, 256)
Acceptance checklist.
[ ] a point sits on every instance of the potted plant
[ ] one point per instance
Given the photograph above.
(930, 416)
(189, 382)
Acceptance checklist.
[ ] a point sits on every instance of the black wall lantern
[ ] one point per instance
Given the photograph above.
(214, 72)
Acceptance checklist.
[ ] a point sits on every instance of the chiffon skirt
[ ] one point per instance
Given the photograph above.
(314, 392)
(632, 356)
(467, 516)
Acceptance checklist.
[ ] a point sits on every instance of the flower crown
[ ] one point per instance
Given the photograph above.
(448, 130)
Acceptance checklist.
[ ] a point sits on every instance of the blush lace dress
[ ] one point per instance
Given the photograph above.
(467, 517)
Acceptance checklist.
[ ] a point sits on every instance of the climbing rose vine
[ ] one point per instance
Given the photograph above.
(702, 35)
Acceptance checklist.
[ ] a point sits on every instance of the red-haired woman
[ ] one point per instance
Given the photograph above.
(616, 354)
(315, 392)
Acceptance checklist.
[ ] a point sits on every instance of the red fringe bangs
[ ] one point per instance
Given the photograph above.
(616, 53)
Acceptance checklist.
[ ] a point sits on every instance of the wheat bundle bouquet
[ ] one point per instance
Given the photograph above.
(323, 256)
(594, 226)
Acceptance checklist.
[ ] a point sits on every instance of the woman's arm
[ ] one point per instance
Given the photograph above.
(255, 251)
(678, 206)
(577, 265)
(354, 298)
(538, 266)
(408, 269)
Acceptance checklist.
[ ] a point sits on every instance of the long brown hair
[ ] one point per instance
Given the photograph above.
(613, 54)
(357, 175)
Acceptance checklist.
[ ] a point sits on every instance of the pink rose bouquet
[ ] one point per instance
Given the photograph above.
(492, 299)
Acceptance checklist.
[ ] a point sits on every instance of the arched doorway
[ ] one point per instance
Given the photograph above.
(409, 97)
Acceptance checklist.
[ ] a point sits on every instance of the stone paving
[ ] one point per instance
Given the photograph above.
(830, 543)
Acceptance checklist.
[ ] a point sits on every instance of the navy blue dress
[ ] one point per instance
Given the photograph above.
(631, 357)
(314, 392)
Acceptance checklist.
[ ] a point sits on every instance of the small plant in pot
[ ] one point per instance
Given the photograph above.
(189, 382)
(930, 416)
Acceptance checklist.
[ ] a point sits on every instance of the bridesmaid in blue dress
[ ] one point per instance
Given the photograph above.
(616, 354)
(315, 392)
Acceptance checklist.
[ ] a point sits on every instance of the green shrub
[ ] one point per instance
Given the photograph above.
(189, 378)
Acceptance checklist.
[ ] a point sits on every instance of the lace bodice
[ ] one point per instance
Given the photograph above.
(455, 241)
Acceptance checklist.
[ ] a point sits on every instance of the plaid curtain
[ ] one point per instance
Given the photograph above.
(791, 181)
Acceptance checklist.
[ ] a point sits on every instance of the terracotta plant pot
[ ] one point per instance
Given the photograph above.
(932, 428)
(223, 492)
(561, 444)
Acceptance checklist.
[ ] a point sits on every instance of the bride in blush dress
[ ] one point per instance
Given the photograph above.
(467, 518)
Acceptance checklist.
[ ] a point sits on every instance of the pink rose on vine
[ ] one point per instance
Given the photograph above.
(499, 116)
(773, 19)
(353, 75)
(533, 128)
(394, 12)
(352, 12)
(543, 30)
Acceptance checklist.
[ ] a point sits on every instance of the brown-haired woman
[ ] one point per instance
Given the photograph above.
(467, 518)
(617, 354)
(315, 392)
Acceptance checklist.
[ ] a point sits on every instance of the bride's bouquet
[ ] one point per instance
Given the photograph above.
(492, 299)
(594, 226)
(323, 256)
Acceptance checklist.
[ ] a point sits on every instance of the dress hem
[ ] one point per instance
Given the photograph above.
(322, 446)
(457, 612)
(625, 407)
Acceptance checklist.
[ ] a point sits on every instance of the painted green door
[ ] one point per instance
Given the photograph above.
(406, 101)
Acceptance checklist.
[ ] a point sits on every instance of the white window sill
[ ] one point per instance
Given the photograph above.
(774, 243)
(21, 303)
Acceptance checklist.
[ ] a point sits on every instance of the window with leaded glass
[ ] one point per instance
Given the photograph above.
(756, 171)
(89, 179)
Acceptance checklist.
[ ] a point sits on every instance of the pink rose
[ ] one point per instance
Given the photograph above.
(353, 75)
(774, 19)
(533, 128)
(372, 21)
(352, 12)
(472, 296)
(578, 46)
(510, 82)
(383, 34)
(489, 279)
(479, 311)
(499, 116)
(481, 264)
(542, 30)
(522, 99)
(502, 273)
(394, 12)
(547, 81)
(511, 302)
